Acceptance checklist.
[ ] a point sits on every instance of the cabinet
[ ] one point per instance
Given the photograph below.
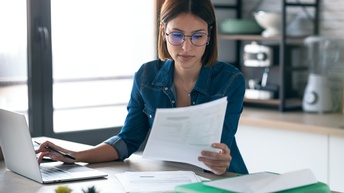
(336, 165)
(283, 102)
(277, 149)
(280, 151)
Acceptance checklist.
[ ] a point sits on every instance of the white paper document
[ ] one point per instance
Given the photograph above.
(265, 182)
(158, 181)
(180, 134)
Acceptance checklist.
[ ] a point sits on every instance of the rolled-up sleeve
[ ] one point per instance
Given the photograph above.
(120, 146)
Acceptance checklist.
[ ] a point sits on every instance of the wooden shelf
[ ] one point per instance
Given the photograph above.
(263, 101)
(289, 40)
(290, 103)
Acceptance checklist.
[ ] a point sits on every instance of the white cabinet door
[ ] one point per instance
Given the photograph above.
(337, 163)
(278, 150)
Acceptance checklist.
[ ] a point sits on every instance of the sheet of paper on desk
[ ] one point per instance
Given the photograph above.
(158, 181)
(265, 182)
(180, 134)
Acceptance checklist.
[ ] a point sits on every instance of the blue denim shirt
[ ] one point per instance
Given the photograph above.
(153, 88)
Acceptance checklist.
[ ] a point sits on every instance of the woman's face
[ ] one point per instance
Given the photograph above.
(186, 55)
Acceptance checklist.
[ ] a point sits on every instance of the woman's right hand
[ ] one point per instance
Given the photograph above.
(44, 150)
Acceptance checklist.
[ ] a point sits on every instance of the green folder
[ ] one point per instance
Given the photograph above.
(199, 187)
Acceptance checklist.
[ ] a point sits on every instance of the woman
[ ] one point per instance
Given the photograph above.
(187, 73)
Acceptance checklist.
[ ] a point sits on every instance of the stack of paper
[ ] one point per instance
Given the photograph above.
(265, 182)
(158, 181)
(301, 181)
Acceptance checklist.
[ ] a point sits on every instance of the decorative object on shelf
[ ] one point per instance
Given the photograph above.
(256, 55)
(240, 26)
(261, 90)
(259, 94)
(245, 25)
(63, 189)
(300, 26)
(271, 22)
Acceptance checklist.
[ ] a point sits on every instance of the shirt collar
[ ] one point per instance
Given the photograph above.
(165, 77)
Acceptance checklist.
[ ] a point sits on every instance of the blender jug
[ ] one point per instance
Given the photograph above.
(322, 53)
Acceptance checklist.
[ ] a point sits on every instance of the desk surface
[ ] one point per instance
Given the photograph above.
(14, 183)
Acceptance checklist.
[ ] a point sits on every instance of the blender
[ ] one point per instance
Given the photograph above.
(322, 53)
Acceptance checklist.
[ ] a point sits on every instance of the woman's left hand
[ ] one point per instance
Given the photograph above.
(219, 161)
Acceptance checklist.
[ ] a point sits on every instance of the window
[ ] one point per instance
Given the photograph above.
(96, 48)
(70, 63)
(13, 56)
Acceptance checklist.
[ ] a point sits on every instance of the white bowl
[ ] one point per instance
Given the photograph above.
(271, 22)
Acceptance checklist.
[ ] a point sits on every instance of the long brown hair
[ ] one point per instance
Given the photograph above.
(203, 9)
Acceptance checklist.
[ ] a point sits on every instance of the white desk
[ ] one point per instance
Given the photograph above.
(14, 183)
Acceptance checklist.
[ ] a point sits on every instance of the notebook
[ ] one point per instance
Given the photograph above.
(20, 157)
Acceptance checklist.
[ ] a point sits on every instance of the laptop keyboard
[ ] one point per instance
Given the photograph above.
(51, 172)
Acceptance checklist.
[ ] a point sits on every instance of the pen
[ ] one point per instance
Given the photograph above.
(59, 152)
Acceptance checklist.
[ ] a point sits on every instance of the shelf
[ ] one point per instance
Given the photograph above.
(261, 101)
(282, 45)
(290, 103)
(291, 39)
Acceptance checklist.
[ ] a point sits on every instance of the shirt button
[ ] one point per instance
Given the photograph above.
(166, 88)
(150, 116)
(193, 102)
(173, 101)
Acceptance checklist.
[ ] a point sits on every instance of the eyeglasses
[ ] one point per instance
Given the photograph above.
(197, 39)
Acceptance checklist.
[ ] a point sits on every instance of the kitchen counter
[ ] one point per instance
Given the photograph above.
(327, 123)
(271, 140)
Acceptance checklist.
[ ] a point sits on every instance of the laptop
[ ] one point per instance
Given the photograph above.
(20, 157)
